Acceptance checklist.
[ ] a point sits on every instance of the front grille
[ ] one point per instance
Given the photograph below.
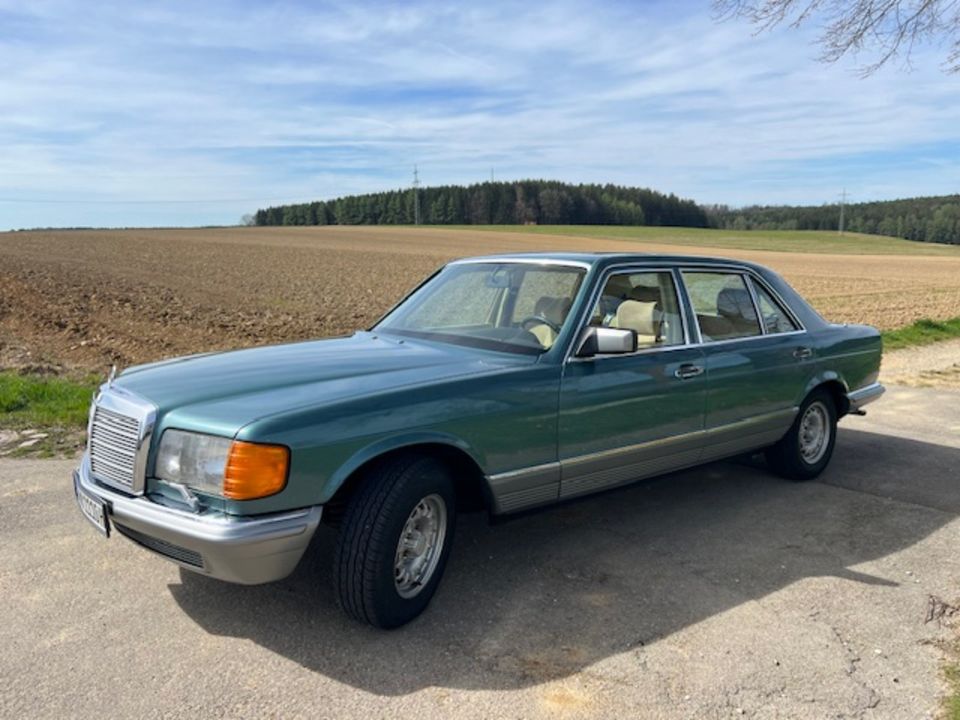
(174, 552)
(114, 439)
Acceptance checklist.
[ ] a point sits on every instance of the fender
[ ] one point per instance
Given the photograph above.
(397, 442)
(825, 376)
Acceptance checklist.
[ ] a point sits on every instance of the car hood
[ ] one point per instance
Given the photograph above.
(220, 393)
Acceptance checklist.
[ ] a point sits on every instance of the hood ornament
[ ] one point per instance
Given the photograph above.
(111, 376)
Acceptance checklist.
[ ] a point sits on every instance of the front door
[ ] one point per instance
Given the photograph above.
(624, 417)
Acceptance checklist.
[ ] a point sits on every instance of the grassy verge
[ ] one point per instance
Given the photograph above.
(922, 332)
(951, 704)
(55, 407)
(801, 241)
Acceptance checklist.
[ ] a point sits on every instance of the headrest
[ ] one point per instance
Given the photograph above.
(735, 303)
(618, 286)
(645, 293)
(644, 317)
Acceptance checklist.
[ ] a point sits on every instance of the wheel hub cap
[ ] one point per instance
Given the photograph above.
(420, 545)
(814, 433)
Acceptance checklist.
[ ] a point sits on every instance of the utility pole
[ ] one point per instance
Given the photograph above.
(416, 196)
(491, 174)
(843, 202)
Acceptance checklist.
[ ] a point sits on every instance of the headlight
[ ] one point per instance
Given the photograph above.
(219, 466)
(194, 460)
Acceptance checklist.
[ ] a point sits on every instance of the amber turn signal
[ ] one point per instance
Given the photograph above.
(255, 470)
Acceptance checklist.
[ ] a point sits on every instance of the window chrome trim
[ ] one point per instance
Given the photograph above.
(754, 275)
(594, 298)
(779, 302)
(641, 351)
(748, 281)
(677, 268)
(744, 278)
(749, 277)
(522, 261)
(688, 311)
(746, 338)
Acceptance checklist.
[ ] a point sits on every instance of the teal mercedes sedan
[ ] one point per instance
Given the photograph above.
(499, 384)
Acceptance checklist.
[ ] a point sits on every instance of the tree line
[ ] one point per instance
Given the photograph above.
(545, 202)
(926, 219)
(496, 203)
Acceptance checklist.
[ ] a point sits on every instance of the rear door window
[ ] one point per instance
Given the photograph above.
(723, 305)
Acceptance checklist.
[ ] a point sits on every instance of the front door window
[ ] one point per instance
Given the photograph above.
(645, 302)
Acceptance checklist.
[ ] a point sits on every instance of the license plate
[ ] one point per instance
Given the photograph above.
(93, 508)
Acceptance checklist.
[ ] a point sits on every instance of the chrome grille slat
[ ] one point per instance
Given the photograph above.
(121, 430)
(120, 464)
(119, 418)
(119, 433)
(127, 430)
(122, 446)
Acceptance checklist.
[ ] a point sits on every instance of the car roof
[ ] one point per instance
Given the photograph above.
(604, 259)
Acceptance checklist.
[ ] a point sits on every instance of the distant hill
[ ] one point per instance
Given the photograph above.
(927, 219)
(547, 202)
(497, 203)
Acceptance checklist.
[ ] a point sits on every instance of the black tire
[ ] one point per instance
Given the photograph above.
(786, 458)
(367, 544)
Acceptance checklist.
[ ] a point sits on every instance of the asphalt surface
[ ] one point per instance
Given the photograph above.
(713, 593)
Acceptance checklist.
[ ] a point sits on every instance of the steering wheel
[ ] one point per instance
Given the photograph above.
(540, 320)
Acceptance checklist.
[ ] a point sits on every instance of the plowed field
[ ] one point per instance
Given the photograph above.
(86, 299)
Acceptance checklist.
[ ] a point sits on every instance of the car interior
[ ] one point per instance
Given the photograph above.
(643, 302)
(736, 316)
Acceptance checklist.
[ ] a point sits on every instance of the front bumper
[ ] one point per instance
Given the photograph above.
(867, 394)
(246, 550)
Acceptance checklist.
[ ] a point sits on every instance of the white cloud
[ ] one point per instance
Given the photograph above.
(220, 102)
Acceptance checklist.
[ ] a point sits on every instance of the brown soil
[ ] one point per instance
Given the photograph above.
(87, 299)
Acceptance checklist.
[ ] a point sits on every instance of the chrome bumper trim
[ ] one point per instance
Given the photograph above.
(245, 550)
(863, 396)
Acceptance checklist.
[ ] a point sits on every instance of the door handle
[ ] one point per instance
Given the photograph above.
(687, 371)
(802, 353)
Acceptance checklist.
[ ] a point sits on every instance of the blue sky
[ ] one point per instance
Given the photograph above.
(122, 114)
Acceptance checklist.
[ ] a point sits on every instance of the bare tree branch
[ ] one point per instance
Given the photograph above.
(887, 29)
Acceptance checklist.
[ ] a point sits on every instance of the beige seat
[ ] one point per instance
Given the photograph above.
(644, 318)
(553, 309)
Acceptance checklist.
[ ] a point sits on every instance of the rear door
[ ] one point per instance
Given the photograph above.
(623, 417)
(757, 361)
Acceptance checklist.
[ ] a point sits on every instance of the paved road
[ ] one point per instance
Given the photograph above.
(713, 593)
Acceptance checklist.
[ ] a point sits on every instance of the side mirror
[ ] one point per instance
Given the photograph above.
(607, 341)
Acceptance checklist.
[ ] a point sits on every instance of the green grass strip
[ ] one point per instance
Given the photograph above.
(799, 241)
(43, 401)
(952, 701)
(922, 332)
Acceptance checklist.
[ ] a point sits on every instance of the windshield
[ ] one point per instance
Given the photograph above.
(514, 307)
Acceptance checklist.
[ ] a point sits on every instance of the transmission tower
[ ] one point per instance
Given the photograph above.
(416, 196)
(843, 202)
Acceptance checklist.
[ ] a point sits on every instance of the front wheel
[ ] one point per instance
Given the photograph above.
(394, 541)
(805, 451)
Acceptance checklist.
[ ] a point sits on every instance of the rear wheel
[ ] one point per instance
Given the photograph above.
(805, 451)
(394, 540)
